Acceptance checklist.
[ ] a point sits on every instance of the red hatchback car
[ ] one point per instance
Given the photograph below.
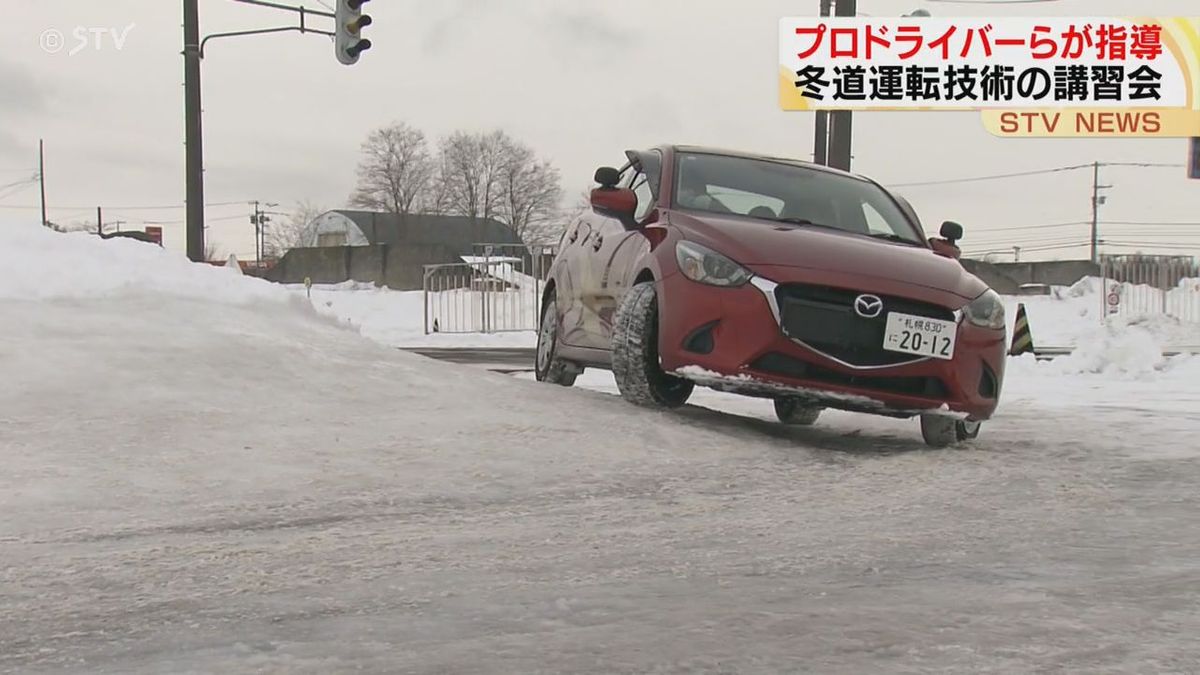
(773, 278)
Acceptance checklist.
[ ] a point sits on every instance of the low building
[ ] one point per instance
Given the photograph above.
(386, 248)
(366, 228)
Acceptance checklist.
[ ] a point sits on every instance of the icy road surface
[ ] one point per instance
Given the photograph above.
(224, 489)
(194, 485)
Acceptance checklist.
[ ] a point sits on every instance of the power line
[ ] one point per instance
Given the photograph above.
(1000, 176)
(1019, 228)
(1151, 223)
(170, 207)
(1040, 172)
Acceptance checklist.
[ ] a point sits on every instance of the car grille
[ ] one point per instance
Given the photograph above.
(823, 318)
(780, 364)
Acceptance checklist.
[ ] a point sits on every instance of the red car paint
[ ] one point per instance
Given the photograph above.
(602, 256)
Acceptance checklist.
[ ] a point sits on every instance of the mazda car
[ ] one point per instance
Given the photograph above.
(774, 278)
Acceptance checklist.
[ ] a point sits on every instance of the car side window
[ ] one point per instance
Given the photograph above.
(645, 184)
(645, 196)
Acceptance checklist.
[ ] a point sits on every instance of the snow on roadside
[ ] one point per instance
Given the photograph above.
(40, 264)
(1072, 315)
(395, 318)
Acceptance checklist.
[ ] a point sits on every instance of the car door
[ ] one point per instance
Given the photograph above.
(625, 247)
(570, 281)
(603, 234)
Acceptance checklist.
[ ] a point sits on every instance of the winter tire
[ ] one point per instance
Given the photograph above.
(548, 367)
(939, 431)
(639, 377)
(967, 431)
(795, 412)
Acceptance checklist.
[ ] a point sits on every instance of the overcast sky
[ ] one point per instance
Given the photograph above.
(579, 81)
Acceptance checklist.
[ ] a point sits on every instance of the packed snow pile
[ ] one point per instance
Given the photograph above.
(40, 264)
(1116, 352)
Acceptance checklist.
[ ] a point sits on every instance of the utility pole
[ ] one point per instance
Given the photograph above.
(192, 123)
(42, 178)
(821, 141)
(257, 222)
(1097, 200)
(99, 222)
(1096, 213)
(1016, 254)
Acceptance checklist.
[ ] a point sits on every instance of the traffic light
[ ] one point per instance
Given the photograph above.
(1194, 159)
(348, 38)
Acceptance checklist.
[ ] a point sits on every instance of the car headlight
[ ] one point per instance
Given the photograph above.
(709, 267)
(986, 311)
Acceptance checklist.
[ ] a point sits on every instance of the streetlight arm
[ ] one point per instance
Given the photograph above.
(285, 29)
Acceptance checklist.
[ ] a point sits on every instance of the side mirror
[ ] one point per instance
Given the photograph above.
(617, 202)
(608, 177)
(951, 231)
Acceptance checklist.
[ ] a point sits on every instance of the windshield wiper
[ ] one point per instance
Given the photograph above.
(887, 236)
(804, 221)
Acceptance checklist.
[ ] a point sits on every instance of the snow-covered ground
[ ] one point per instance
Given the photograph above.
(202, 473)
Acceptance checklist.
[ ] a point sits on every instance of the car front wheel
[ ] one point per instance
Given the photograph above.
(635, 353)
(940, 431)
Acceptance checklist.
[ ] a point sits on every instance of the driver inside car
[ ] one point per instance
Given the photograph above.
(693, 194)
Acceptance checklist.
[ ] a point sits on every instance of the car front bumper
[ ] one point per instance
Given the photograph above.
(731, 339)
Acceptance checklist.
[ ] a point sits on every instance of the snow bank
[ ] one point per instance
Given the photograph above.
(40, 264)
(1072, 316)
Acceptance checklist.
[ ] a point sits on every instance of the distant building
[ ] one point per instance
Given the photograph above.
(366, 228)
(388, 249)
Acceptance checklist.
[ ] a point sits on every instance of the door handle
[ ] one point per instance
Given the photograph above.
(598, 243)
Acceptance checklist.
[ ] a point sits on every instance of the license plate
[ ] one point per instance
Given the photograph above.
(919, 335)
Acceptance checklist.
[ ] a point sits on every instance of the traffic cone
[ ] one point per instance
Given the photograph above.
(1022, 342)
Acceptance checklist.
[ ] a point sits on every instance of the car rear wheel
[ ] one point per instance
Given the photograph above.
(940, 431)
(548, 367)
(635, 353)
(796, 412)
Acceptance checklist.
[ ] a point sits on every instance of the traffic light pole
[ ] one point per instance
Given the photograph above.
(193, 53)
(192, 128)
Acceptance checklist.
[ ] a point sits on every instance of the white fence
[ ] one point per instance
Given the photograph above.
(1137, 287)
(496, 290)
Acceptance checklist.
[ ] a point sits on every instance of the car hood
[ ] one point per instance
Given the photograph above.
(757, 243)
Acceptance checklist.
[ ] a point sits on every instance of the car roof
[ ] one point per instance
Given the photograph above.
(710, 150)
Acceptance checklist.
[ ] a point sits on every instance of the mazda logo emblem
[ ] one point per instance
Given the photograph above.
(868, 306)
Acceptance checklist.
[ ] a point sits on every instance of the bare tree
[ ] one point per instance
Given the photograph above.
(395, 170)
(211, 252)
(495, 176)
(294, 232)
(469, 176)
(529, 190)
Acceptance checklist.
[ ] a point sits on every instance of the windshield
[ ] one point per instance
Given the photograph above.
(788, 193)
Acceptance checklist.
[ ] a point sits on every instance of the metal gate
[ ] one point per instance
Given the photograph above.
(1137, 286)
(496, 289)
